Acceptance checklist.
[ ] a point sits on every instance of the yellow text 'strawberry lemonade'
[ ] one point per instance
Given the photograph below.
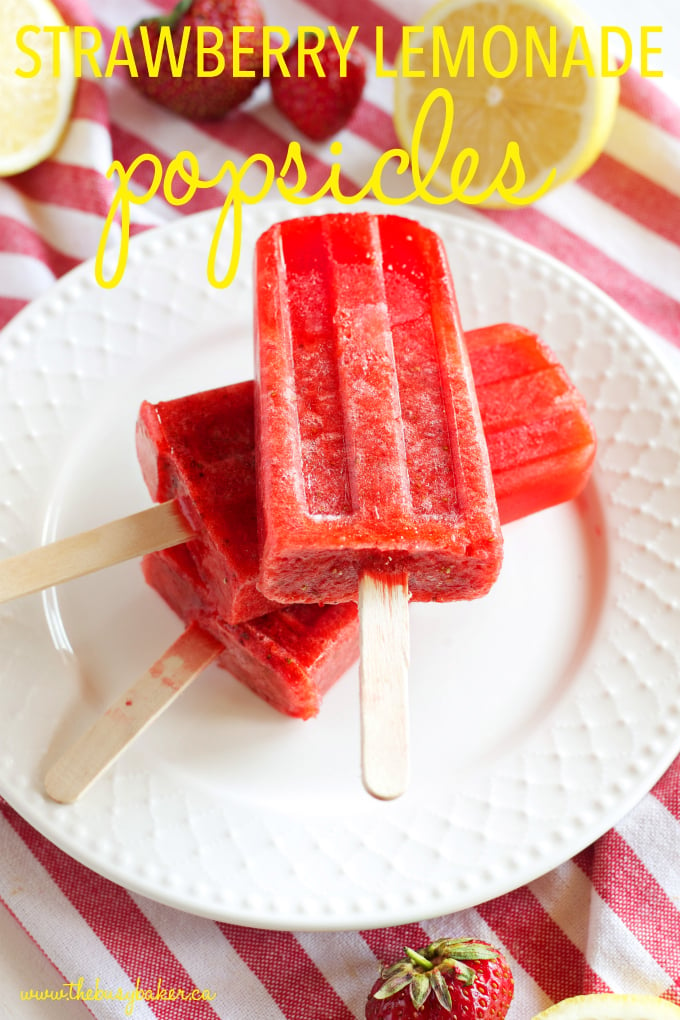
(495, 102)
(523, 97)
(34, 111)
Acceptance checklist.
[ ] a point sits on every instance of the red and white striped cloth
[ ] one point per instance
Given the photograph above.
(608, 919)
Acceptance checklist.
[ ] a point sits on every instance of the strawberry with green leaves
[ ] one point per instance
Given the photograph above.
(197, 93)
(450, 979)
(321, 100)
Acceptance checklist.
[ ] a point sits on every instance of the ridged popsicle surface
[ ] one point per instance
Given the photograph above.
(369, 442)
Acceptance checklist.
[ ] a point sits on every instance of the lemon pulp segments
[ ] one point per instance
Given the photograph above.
(33, 110)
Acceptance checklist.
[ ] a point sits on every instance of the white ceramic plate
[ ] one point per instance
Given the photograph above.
(539, 714)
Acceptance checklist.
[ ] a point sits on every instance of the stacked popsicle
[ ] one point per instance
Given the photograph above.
(372, 462)
(194, 448)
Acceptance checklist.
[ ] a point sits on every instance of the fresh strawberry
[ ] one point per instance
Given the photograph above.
(201, 97)
(451, 979)
(319, 105)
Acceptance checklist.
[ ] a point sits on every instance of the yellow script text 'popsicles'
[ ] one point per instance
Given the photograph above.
(185, 169)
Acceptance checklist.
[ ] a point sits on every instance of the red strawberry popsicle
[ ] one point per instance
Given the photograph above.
(540, 439)
(541, 445)
(200, 451)
(374, 482)
(371, 458)
(289, 657)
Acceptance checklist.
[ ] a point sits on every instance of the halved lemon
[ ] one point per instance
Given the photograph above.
(35, 106)
(526, 72)
(610, 1006)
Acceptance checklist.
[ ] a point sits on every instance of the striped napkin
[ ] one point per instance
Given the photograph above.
(607, 920)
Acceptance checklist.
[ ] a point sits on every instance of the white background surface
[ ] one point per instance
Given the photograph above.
(22, 964)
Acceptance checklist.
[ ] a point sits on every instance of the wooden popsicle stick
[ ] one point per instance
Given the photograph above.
(158, 527)
(76, 770)
(383, 684)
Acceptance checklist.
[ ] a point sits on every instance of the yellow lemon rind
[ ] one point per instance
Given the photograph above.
(40, 147)
(611, 1006)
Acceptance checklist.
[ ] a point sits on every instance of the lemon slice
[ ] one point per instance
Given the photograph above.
(609, 1006)
(33, 110)
(535, 80)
